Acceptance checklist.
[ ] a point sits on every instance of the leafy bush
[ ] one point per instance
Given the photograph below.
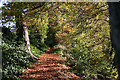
(36, 51)
(15, 57)
(36, 44)
(14, 60)
(89, 65)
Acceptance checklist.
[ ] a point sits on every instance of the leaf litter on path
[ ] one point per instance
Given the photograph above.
(49, 67)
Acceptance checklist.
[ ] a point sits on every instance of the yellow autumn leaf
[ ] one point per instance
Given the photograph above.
(69, 30)
(97, 17)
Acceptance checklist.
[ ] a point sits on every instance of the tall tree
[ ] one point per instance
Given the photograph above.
(19, 11)
(26, 35)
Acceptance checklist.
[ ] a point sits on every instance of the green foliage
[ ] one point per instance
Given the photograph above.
(85, 36)
(41, 27)
(89, 64)
(36, 42)
(15, 59)
(38, 32)
(36, 51)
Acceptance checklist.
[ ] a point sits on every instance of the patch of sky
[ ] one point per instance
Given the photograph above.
(2, 2)
(9, 24)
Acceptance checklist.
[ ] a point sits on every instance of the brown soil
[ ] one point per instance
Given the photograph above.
(49, 67)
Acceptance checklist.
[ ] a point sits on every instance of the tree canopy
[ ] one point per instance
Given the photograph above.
(79, 31)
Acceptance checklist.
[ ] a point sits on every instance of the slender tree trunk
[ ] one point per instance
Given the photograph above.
(28, 42)
(26, 36)
(114, 10)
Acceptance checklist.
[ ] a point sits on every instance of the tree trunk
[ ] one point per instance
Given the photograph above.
(28, 42)
(114, 10)
(26, 36)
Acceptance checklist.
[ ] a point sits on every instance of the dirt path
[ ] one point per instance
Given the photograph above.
(49, 67)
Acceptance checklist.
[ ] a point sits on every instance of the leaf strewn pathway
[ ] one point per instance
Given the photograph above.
(49, 67)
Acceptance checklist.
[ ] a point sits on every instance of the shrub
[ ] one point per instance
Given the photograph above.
(14, 60)
(36, 51)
